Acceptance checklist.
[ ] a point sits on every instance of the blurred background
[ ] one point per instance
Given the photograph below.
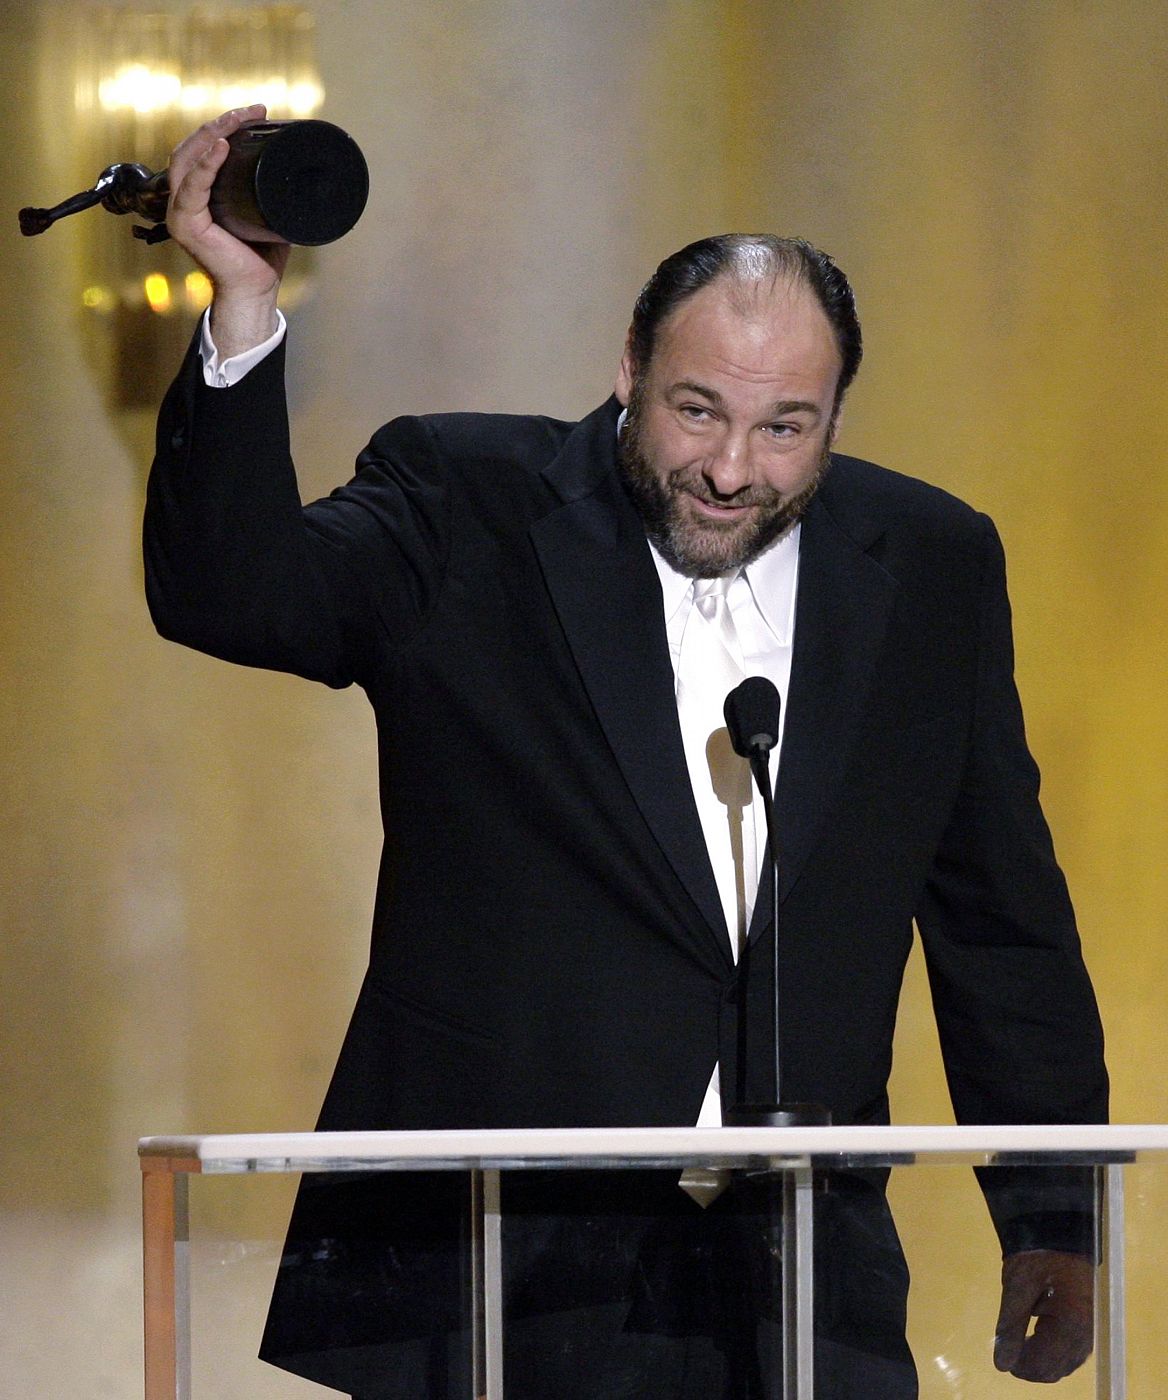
(189, 849)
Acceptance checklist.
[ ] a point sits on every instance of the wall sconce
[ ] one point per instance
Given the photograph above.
(143, 81)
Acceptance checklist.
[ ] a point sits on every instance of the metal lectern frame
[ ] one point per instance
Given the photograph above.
(795, 1154)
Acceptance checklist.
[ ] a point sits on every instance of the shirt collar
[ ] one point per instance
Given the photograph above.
(770, 579)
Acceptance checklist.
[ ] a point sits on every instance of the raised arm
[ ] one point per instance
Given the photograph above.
(235, 565)
(232, 565)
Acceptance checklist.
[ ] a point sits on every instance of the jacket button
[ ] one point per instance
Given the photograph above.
(178, 439)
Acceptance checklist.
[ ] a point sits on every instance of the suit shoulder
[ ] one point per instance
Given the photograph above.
(862, 493)
(473, 440)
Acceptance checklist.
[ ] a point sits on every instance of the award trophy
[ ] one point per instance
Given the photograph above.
(302, 182)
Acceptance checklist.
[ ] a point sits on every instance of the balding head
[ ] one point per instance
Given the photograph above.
(753, 266)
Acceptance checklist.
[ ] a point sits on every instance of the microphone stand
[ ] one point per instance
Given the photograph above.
(752, 719)
(777, 1114)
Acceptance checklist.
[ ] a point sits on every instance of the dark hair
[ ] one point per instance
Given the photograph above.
(741, 254)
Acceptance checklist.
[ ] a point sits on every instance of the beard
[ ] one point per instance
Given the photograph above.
(699, 547)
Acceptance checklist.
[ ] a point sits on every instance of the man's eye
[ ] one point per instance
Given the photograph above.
(695, 412)
(782, 429)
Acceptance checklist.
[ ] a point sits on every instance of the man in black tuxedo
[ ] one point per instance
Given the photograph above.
(557, 927)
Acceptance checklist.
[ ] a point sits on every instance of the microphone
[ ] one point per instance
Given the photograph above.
(752, 716)
(752, 711)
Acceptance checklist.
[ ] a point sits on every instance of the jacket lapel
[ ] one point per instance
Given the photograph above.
(600, 575)
(602, 582)
(844, 602)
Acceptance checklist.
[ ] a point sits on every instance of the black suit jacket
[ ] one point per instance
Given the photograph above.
(548, 945)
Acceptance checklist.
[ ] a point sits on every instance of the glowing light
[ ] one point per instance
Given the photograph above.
(198, 289)
(276, 93)
(139, 88)
(145, 90)
(305, 98)
(97, 298)
(144, 77)
(197, 97)
(157, 289)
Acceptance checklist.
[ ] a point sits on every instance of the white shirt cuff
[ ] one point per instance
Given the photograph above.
(217, 375)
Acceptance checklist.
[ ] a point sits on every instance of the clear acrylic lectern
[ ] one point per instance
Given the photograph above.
(781, 1172)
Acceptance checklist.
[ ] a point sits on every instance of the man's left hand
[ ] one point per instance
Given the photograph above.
(1058, 1290)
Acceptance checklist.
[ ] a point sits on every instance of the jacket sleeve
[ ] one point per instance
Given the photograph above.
(236, 567)
(1019, 1027)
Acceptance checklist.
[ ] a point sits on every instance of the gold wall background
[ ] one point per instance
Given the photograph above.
(189, 850)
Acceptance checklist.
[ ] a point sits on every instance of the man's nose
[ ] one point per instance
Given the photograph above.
(727, 470)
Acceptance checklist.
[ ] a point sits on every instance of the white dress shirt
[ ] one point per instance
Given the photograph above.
(762, 602)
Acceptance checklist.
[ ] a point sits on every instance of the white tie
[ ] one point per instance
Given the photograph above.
(709, 667)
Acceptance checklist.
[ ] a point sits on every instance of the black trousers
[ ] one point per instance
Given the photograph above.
(616, 1286)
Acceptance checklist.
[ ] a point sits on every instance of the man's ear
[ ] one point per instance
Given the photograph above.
(625, 374)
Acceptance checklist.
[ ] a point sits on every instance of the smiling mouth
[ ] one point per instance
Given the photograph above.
(718, 510)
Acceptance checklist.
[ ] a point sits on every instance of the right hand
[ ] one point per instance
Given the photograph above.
(246, 276)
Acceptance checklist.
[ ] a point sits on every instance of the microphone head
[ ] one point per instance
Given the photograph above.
(752, 716)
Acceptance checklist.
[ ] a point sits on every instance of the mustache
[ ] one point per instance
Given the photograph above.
(689, 481)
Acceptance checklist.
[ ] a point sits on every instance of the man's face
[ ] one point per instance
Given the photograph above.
(730, 425)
